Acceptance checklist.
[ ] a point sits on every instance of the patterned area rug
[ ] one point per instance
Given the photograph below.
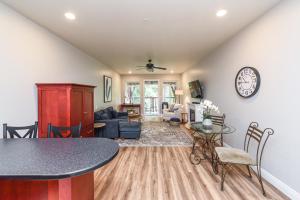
(159, 134)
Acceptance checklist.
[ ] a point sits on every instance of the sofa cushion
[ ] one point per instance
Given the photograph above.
(130, 134)
(123, 117)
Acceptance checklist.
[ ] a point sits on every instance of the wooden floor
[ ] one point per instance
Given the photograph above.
(166, 173)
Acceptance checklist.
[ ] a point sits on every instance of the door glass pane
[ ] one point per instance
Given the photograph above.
(151, 98)
(132, 93)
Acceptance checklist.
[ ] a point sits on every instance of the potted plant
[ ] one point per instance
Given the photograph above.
(208, 109)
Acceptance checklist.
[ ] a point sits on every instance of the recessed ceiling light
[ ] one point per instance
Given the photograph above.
(221, 13)
(172, 71)
(129, 72)
(146, 19)
(70, 16)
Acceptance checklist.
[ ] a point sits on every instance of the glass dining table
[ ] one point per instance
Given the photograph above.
(204, 142)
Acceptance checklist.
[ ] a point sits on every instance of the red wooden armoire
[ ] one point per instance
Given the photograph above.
(66, 104)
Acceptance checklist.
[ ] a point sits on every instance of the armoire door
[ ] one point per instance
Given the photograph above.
(77, 103)
(52, 108)
(88, 117)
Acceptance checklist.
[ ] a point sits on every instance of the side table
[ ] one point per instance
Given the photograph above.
(184, 117)
(132, 117)
(99, 126)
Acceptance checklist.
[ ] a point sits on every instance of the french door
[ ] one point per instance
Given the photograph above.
(151, 97)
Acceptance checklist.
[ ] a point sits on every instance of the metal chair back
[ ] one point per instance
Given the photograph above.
(219, 120)
(260, 137)
(57, 132)
(12, 131)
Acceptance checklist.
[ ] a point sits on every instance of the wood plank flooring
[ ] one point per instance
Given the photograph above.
(166, 173)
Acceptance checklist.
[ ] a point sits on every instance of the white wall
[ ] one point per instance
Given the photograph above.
(140, 78)
(30, 54)
(272, 45)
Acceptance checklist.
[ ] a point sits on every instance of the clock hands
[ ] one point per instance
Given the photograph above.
(244, 80)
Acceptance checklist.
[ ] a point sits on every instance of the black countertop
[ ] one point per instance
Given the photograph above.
(54, 158)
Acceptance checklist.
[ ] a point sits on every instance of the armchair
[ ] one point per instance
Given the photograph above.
(173, 112)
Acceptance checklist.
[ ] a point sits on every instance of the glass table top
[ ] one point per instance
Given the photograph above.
(215, 129)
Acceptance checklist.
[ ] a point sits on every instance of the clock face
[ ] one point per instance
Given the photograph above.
(247, 82)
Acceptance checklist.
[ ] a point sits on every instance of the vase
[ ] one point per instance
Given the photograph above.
(207, 123)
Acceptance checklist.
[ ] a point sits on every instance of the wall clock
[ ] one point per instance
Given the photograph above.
(247, 82)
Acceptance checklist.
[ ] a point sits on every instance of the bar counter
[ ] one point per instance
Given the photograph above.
(52, 169)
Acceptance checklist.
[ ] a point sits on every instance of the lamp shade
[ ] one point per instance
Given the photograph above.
(179, 92)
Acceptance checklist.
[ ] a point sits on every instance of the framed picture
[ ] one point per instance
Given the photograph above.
(107, 89)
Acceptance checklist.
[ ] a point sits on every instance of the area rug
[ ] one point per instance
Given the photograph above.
(159, 134)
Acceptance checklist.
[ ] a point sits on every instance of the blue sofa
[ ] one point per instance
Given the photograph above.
(117, 124)
(111, 118)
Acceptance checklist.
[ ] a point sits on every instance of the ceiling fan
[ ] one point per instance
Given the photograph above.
(150, 67)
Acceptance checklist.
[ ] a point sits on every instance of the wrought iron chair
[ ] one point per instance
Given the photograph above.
(57, 132)
(230, 156)
(12, 131)
(219, 120)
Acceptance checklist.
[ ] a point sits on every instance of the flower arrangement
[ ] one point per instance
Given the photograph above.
(209, 109)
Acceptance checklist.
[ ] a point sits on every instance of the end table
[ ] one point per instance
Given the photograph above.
(184, 117)
(99, 126)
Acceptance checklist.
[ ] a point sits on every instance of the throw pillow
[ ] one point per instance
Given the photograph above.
(176, 107)
(97, 115)
(108, 112)
(114, 114)
(171, 109)
(105, 116)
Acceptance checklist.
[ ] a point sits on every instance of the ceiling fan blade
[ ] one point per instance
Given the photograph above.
(162, 68)
(140, 68)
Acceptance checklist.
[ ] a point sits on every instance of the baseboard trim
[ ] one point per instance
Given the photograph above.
(284, 188)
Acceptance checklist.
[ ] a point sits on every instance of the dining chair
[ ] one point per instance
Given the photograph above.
(57, 131)
(219, 120)
(12, 131)
(231, 156)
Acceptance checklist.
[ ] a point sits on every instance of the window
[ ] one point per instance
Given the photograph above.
(169, 92)
(132, 93)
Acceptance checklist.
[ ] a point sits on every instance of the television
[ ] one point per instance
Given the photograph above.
(196, 89)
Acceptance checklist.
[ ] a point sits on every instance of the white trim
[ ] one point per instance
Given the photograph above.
(283, 187)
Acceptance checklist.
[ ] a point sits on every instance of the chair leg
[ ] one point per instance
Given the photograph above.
(262, 188)
(258, 175)
(260, 180)
(221, 140)
(223, 174)
(249, 171)
(193, 148)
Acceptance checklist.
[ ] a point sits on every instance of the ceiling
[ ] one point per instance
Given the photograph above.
(125, 33)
